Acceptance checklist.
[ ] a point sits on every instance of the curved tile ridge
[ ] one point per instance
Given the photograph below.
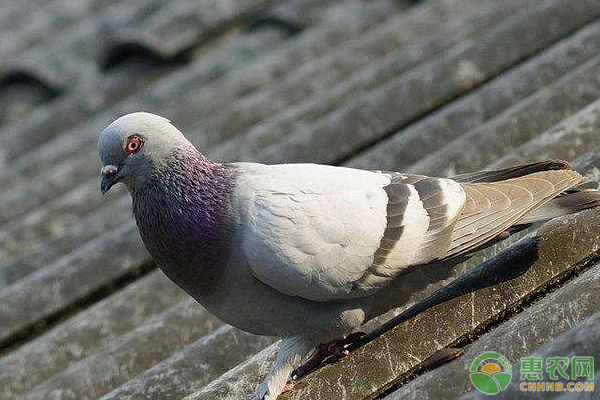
(52, 231)
(179, 25)
(35, 24)
(20, 94)
(243, 379)
(568, 331)
(66, 60)
(165, 29)
(58, 116)
(184, 83)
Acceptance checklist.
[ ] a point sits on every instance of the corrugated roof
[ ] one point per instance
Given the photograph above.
(436, 87)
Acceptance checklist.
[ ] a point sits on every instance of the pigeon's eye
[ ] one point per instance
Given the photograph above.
(133, 144)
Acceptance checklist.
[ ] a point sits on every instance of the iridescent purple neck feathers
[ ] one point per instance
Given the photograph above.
(184, 214)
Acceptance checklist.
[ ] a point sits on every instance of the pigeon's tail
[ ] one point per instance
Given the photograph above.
(577, 198)
(567, 202)
(515, 171)
(505, 200)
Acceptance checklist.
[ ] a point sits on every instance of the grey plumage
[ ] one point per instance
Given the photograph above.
(310, 252)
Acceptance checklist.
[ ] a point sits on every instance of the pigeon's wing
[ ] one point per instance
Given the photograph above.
(322, 232)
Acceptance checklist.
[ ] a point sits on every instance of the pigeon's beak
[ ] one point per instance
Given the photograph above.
(109, 177)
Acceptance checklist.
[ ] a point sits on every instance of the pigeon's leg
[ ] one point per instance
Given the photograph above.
(337, 347)
(292, 352)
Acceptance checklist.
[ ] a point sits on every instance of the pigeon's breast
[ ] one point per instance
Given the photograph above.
(189, 240)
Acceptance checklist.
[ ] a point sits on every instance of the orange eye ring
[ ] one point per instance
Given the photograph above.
(133, 144)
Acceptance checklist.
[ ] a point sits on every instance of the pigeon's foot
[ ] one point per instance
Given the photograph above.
(288, 386)
(336, 348)
(353, 338)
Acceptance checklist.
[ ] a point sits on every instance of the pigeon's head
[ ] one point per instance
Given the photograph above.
(133, 146)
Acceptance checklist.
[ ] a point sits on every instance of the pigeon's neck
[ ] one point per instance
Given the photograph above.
(185, 216)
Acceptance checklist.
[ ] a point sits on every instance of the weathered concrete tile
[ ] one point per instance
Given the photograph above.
(434, 131)
(175, 26)
(582, 340)
(518, 124)
(305, 51)
(27, 244)
(52, 219)
(14, 12)
(558, 313)
(315, 89)
(244, 378)
(131, 354)
(32, 194)
(70, 279)
(86, 332)
(20, 98)
(192, 367)
(312, 91)
(300, 14)
(433, 84)
(566, 140)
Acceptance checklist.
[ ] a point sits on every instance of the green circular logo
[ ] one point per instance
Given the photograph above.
(491, 373)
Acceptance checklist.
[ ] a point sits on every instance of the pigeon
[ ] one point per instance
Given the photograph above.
(306, 252)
